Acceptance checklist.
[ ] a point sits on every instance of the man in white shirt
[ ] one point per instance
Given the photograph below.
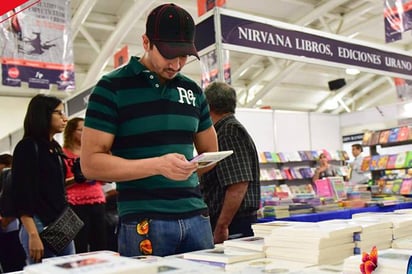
(358, 176)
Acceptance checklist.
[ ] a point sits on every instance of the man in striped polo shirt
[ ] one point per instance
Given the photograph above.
(142, 124)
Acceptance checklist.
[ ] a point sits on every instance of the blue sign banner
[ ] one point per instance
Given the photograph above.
(262, 36)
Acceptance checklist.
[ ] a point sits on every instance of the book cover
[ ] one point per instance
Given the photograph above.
(282, 157)
(224, 255)
(285, 188)
(252, 242)
(278, 174)
(264, 174)
(367, 136)
(400, 159)
(384, 136)
(403, 134)
(374, 162)
(393, 136)
(209, 158)
(287, 173)
(262, 158)
(366, 163)
(324, 188)
(383, 161)
(303, 155)
(396, 186)
(294, 156)
(275, 157)
(101, 264)
(309, 155)
(408, 161)
(406, 186)
(375, 138)
(391, 161)
(295, 173)
(338, 186)
(176, 265)
(315, 154)
(268, 157)
(387, 187)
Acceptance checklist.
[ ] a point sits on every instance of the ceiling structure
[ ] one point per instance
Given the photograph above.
(102, 27)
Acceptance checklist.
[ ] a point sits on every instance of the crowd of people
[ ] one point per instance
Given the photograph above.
(125, 168)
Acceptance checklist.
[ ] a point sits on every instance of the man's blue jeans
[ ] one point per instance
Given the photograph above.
(167, 237)
(24, 239)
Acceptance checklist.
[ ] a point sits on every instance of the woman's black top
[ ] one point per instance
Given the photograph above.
(37, 178)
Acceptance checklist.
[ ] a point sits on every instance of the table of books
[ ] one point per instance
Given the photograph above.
(339, 214)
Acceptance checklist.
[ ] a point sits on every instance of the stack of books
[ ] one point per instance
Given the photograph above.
(401, 222)
(393, 261)
(221, 256)
(312, 243)
(266, 229)
(93, 263)
(328, 207)
(267, 265)
(249, 243)
(402, 243)
(375, 232)
(262, 265)
(277, 211)
(300, 208)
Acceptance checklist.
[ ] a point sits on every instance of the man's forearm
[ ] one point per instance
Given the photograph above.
(233, 199)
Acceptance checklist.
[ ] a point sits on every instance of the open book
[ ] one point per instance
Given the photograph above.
(209, 158)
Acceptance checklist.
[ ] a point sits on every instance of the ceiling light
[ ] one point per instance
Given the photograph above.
(352, 71)
(407, 109)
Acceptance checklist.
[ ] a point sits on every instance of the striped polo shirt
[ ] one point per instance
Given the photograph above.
(149, 119)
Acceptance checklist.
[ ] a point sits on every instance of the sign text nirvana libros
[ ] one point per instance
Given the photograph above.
(250, 34)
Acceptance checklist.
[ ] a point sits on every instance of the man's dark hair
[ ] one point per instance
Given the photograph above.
(221, 97)
(358, 147)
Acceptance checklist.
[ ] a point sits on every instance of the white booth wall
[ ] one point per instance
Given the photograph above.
(272, 130)
(290, 131)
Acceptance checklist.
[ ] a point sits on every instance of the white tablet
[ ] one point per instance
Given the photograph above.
(209, 158)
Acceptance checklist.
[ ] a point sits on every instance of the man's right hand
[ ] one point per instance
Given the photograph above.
(176, 167)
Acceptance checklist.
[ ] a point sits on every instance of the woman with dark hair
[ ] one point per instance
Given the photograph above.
(324, 169)
(85, 197)
(38, 175)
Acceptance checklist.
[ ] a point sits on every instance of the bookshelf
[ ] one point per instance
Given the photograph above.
(296, 167)
(289, 175)
(390, 157)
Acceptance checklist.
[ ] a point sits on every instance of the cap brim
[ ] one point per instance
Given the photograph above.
(171, 50)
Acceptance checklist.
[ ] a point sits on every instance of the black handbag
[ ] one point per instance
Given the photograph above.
(58, 234)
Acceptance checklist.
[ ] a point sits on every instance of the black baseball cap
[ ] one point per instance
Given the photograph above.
(172, 30)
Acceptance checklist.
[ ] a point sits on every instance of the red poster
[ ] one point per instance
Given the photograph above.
(121, 57)
(205, 5)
